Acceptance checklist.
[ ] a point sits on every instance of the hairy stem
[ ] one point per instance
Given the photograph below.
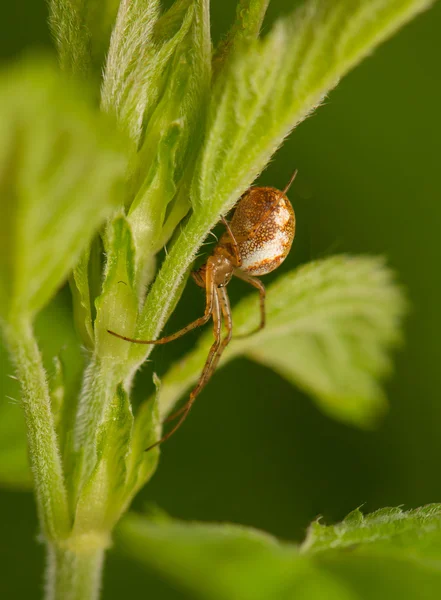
(72, 575)
(43, 448)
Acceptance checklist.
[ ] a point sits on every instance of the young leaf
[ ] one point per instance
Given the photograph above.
(172, 139)
(72, 38)
(85, 286)
(117, 306)
(266, 89)
(389, 554)
(142, 45)
(146, 431)
(330, 325)
(128, 65)
(61, 164)
(246, 27)
(81, 300)
(82, 31)
(111, 462)
(101, 498)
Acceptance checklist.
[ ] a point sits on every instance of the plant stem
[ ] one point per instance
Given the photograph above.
(73, 575)
(43, 448)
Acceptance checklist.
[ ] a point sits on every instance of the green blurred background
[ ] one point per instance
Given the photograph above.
(255, 450)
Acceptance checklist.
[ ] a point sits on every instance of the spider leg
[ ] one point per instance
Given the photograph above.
(262, 295)
(206, 372)
(209, 291)
(226, 312)
(210, 368)
(176, 414)
(290, 182)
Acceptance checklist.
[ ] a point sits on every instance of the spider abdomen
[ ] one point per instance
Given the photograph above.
(264, 227)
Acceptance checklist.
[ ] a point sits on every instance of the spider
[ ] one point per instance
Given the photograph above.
(255, 242)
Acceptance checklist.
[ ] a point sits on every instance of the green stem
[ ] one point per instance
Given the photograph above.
(43, 448)
(73, 575)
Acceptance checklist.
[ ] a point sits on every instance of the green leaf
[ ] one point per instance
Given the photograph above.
(273, 84)
(342, 317)
(389, 554)
(121, 466)
(86, 285)
(81, 29)
(246, 27)
(330, 326)
(416, 533)
(172, 140)
(213, 561)
(61, 165)
(117, 306)
(129, 64)
(147, 430)
(81, 301)
(71, 36)
(101, 498)
(266, 89)
(142, 46)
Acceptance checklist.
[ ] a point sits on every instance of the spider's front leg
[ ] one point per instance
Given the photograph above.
(228, 321)
(209, 299)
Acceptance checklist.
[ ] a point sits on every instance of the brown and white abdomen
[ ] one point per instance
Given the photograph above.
(264, 226)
